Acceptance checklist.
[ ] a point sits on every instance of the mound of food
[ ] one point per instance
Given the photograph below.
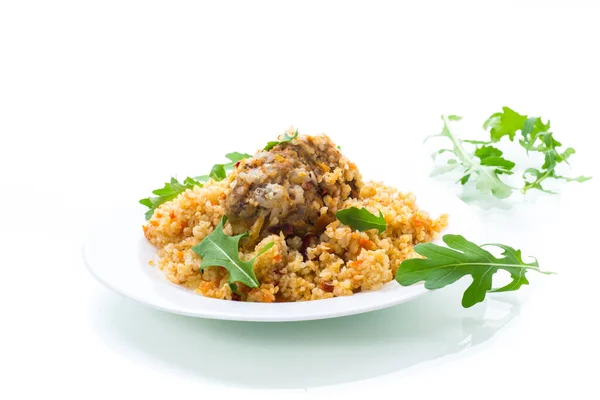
(285, 201)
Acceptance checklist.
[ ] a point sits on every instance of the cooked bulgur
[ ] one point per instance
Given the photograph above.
(289, 196)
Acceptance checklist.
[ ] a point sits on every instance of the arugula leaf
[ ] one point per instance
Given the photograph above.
(234, 289)
(538, 176)
(286, 138)
(536, 136)
(361, 219)
(505, 123)
(236, 156)
(489, 155)
(446, 265)
(485, 172)
(170, 191)
(450, 166)
(219, 171)
(173, 188)
(487, 151)
(531, 130)
(220, 250)
(476, 141)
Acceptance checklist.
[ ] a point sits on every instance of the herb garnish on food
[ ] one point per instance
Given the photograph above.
(286, 138)
(173, 188)
(170, 191)
(219, 171)
(221, 250)
(485, 164)
(446, 265)
(361, 219)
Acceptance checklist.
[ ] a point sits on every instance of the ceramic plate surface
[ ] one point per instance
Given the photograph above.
(117, 254)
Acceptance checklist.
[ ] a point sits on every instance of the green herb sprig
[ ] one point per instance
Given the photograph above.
(220, 250)
(286, 138)
(485, 164)
(361, 219)
(170, 191)
(219, 171)
(485, 171)
(174, 188)
(536, 137)
(446, 265)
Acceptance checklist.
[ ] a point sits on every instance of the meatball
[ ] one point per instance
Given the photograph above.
(294, 188)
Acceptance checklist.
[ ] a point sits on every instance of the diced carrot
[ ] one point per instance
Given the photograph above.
(206, 286)
(267, 296)
(357, 262)
(366, 244)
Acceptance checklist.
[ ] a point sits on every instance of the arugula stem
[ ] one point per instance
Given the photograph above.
(481, 264)
(531, 185)
(459, 150)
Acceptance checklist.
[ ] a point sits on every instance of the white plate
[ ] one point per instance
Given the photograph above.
(117, 254)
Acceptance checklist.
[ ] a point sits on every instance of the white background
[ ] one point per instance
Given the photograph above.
(101, 101)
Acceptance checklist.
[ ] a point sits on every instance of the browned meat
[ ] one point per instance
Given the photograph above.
(295, 187)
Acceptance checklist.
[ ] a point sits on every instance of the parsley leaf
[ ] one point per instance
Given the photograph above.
(286, 138)
(220, 250)
(361, 219)
(446, 265)
(170, 191)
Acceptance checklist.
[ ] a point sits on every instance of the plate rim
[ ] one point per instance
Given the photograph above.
(249, 311)
(266, 318)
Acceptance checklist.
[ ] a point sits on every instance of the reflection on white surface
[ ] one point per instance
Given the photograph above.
(299, 354)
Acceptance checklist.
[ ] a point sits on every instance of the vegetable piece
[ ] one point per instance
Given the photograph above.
(219, 171)
(484, 173)
(361, 219)
(536, 136)
(444, 266)
(234, 289)
(170, 191)
(505, 123)
(286, 138)
(235, 157)
(173, 188)
(221, 250)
